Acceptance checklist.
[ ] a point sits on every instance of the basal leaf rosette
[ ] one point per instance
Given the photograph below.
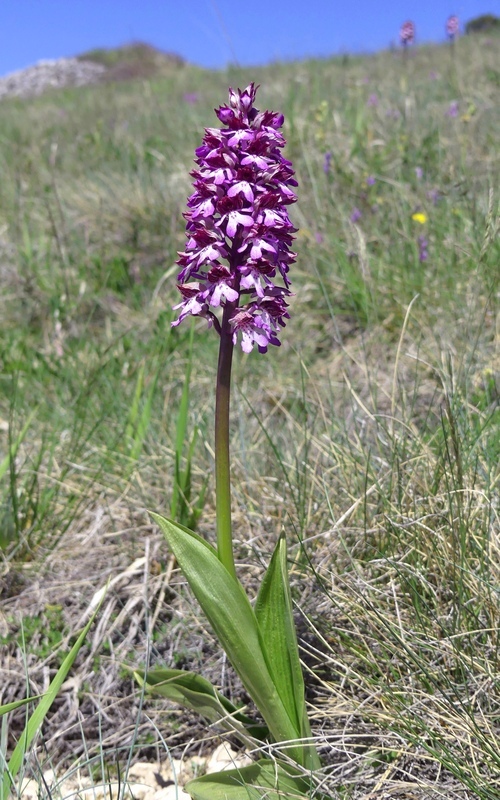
(239, 234)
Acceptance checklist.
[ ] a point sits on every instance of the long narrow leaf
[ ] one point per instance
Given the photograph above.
(230, 614)
(14, 447)
(17, 704)
(197, 693)
(184, 404)
(274, 613)
(34, 722)
(180, 435)
(273, 610)
(197, 506)
(144, 419)
(134, 408)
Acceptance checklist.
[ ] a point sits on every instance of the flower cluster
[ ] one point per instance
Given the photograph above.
(238, 229)
(407, 33)
(452, 27)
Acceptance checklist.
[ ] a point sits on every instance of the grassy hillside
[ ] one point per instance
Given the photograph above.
(372, 435)
(133, 61)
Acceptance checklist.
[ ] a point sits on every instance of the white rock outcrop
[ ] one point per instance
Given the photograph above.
(50, 74)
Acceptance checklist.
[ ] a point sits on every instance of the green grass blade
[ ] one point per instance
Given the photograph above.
(17, 704)
(34, 722)
(180, 436)
(144, 420)
(14, 447)
(197, 506)
(134, 408)
(184, 404)
(185, 477)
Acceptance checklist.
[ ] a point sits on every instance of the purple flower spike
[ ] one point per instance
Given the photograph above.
(423, 244)
(238, 214)
(355, 215)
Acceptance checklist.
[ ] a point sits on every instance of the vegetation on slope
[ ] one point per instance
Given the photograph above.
(371, 435)
(133, 61)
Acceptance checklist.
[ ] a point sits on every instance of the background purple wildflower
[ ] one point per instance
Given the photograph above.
(423, 244)
(407, 33)
(452, 27)
(237, 214)
(355, 214)
(433, 195)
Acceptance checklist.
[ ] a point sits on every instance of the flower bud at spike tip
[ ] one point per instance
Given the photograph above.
(238, 215)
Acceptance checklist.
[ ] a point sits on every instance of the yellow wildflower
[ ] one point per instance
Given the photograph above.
(321, 111)
(420, 217)
(471, 110)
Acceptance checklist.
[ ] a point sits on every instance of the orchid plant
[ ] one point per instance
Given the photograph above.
(234, 273)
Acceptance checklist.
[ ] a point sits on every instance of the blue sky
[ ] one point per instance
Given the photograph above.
(213, 33)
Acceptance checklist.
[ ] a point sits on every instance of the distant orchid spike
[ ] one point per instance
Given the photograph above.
(407, 33)
(452, 27)
(423, 244)
(238, 215)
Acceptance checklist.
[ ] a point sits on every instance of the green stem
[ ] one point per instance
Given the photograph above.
(222, 465)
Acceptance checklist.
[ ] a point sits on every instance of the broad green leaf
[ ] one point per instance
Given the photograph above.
(274, 613)
(273, 610)
(230, 614)
(16, 704)
(34, 722)
(197, 693)
(264, 779)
